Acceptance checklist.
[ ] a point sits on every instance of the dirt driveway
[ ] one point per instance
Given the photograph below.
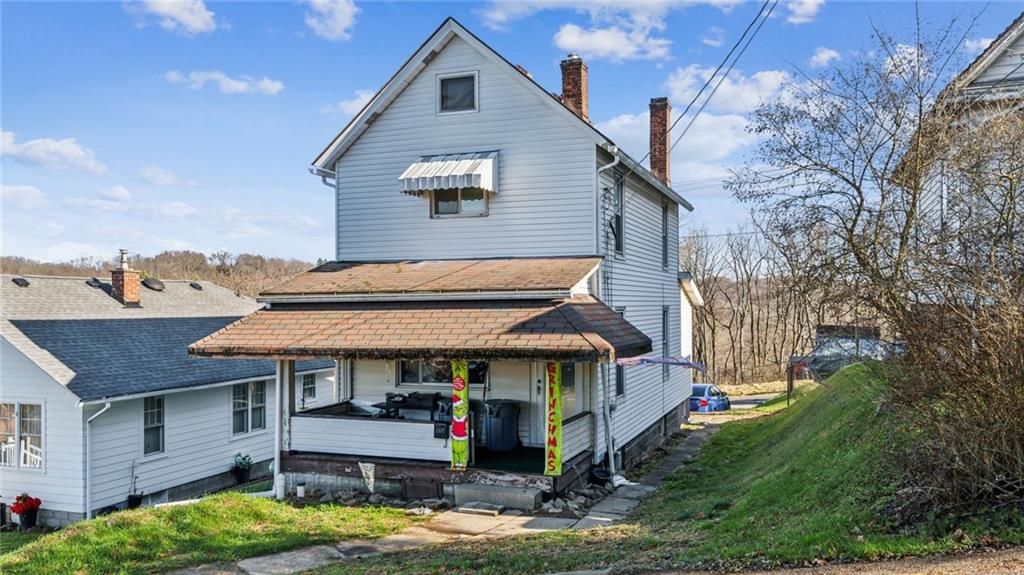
(1005, 562)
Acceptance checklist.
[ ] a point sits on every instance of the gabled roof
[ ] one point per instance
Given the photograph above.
(423, 277)
(579, 328)
(97, 348)
(450, 28)
(989, 55)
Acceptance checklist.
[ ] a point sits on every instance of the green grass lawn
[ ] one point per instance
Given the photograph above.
(11, 540)
(225, 527)
(801, 483)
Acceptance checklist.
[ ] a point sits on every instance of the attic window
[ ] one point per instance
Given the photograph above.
(460, 202)
(457, 93)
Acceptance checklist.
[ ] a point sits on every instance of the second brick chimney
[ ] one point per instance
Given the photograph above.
(574, 86)
(661, 147)
(125, 283)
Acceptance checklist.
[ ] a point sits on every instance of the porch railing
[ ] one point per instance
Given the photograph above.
(401, 439)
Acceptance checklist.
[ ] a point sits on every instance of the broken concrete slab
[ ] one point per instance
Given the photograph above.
(411, 538)
(634, 491)
(615, 505)
(528, 524)
(291, 561)
(481, 508)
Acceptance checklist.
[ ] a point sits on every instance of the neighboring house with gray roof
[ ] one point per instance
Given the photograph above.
(97, 387)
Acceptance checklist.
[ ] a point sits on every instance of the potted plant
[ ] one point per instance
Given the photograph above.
(242, 467)
(27, 508)
(134, 497)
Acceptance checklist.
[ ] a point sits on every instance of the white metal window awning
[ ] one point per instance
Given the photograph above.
(449, 171)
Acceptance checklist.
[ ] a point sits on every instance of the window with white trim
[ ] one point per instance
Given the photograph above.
(457, 93)
(152, 425)
(21, 435)
(458, 203)
(308, 386)
(665, 336)
(664, 235)
(416, 372)
(248, 407)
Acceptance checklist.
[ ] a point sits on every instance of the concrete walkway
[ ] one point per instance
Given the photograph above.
(452, 525)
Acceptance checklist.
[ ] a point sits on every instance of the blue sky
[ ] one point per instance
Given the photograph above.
(190, 125)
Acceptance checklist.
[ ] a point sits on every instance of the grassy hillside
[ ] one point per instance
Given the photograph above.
(803, 483)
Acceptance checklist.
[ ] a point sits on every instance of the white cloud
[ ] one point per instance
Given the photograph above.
(618, 29)
(803, 11)
(903, 60)
(138, 209)
(66, 251)
(117, 194)
(977, 44)
(188, 17)
(23, 197)
(350, 107)
(612, 43)
(711, 138)
(49, 228)
(226, 84)
(737, 94)
(238, 223)
(157, 176)
(332, 19)
(714, 37)
(823, 57)
(50, 153)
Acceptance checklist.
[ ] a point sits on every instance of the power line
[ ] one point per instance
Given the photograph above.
(724, 76)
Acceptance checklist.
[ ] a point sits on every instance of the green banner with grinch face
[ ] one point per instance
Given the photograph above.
(460, 415)
(553, 424)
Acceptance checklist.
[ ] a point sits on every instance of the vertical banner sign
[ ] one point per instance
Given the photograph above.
(553, 425)
(460, 414)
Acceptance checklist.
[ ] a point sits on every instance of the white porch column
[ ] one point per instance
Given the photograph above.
(284, 407)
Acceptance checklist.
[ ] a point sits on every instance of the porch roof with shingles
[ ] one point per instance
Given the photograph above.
(580, 328)
(440, 276)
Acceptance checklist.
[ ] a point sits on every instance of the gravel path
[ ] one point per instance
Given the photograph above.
(1004, 562)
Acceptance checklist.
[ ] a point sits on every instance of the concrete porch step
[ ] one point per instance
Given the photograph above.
(501, 495)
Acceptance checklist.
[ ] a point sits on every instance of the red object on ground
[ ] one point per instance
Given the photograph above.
(24, 503)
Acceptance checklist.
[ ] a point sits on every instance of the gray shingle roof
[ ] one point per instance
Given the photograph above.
(112, 357)
(97, 348)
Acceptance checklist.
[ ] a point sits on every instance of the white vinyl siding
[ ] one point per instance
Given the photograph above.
(59, 482)
(198, 443)
(322, 390)
(640, 283)
(545, 205)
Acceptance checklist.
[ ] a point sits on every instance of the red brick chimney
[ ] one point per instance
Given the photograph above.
(661, 160)
(574, 86)
(125, 283)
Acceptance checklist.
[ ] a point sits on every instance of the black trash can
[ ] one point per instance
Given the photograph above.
(502, 423)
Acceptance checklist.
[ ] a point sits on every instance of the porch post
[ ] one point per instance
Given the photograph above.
(284, 382)
(553, 418)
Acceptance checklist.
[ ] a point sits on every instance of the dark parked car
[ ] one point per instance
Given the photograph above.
(707, 398)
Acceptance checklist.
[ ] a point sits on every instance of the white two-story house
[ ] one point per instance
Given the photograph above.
(482, 219)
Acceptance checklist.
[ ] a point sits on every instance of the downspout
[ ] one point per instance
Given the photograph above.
(278, 404)
(609, 432)
(88, 460)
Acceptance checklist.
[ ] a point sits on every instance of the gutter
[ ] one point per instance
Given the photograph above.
(324, 176)
(88, 460)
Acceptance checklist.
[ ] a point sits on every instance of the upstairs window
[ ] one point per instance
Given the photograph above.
(456, 93)
(463, 202)
(619, 217)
